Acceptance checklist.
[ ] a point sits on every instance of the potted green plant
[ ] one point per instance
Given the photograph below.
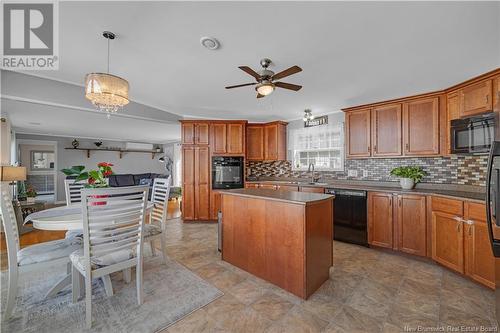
(30, 194)
(93, 178)
(408, 176)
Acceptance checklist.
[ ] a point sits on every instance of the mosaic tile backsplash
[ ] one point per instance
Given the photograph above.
(460, 170)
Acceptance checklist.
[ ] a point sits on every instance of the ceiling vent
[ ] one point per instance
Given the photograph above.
(210, 43)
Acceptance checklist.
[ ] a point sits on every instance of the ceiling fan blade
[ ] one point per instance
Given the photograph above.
(241, 85)
(250, 71)
(260, 96)
(288, 86)
(287, 72)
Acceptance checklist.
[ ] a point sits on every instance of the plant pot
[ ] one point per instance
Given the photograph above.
(406, 183)
(30, 199)
(98, 203)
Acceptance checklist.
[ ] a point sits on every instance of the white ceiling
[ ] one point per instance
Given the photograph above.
(351, 52)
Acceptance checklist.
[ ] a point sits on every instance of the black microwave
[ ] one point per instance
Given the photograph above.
(472, 135)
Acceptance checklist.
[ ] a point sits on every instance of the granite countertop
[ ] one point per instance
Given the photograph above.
(303, 198)
(473, 193)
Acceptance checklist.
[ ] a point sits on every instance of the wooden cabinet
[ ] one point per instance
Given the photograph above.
(479, 259)
(194, 133)
(421, 127)
(255, 142)
(496, 94)
(196, 183)
(476, 98)
(292, 188)
(215, 197)
(312, 189)
(219, 138)
(380, 219)
(358, 133)
(452, 112)
(268, 186)
(266, 141)
(386, 130)
(251, 185)
(447, 233)
(411, 224)
(228, 138)
(275, 141)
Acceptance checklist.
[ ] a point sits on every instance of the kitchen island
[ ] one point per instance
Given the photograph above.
(280, 236)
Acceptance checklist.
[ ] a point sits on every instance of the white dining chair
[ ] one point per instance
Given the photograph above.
(73, 191)
(38, 257)
(113, 229)
(156, 228)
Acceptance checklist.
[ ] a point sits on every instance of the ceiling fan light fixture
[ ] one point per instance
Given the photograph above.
(308, 115)
(265, 88)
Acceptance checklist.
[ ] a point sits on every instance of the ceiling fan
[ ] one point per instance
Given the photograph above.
(266, 78)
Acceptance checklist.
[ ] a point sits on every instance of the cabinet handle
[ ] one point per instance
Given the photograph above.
(458, 227)
(487, 99)
(368, 148)
(399, 202)
(407, 146)
(375, 148)
(470, 230)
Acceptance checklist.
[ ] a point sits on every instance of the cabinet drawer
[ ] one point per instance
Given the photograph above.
(475, 211)
(449, 206)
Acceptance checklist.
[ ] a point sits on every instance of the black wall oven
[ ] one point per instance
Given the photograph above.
(472, 135)
(227, 172)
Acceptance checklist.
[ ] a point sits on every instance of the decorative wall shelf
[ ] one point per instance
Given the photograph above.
(119, 151)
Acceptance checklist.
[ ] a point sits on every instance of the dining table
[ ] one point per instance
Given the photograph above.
(64, 218)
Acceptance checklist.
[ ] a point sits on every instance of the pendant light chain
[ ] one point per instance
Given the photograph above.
(108, 55)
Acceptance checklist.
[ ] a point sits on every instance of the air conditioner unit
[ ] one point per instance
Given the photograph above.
(138, 146)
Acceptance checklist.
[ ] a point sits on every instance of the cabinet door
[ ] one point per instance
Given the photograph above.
(291, 188)
(202, 133)
(447, 240)
(235, 138)
(453, 112)
(251, 185)
(188, 133)
(496, 94)
(358, 139)
(215, 206)
(188, 183)
(312, 189)
(386, 130)
(271, 142)
(421, 127)
(380, 219)
(202, 183)
(219, 138)
(268, 186)
(479, 259)
(255, 143)
(412, 224)
(476, 98)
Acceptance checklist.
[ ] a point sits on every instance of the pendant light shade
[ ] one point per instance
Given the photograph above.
(107, 92)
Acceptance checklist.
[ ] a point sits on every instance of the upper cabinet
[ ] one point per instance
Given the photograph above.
(227, 138)
(421, 127)
(195, 133)
(266, 142)
(476, 98)
(386, 130)
(452, 112)
(358, 133)
(496, 93)
(255, 142)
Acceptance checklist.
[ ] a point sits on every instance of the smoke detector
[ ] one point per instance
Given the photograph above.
(210, 43)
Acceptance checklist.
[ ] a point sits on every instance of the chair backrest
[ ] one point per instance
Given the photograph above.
(73, 191)
(159, 197)
(113, 222)
(9, 223)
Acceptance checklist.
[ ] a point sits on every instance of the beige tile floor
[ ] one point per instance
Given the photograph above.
(368, 291)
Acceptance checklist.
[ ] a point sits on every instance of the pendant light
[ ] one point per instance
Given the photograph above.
(109, 93)
(308, 115)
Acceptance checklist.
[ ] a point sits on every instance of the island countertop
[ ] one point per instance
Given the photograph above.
(303, 198)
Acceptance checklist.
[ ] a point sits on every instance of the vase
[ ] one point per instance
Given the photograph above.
(406, 183)
(98, 203)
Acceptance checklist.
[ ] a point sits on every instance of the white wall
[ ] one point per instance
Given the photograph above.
(130, 162)
(5, 141)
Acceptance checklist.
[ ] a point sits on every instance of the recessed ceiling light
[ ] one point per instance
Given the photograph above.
(210, 43)
(34, 123)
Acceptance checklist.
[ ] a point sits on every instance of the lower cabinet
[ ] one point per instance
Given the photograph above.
(312, 189)
(411, 235)
(251, 185)
(380, 219)
(460, 239)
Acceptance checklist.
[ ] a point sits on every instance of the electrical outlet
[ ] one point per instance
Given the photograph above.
(365, 173)
(352, 173)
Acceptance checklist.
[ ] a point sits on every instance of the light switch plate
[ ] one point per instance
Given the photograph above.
(352, 173)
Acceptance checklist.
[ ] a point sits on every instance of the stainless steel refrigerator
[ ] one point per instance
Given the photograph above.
(493, 204)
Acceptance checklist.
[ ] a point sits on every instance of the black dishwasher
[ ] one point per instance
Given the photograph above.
(349, 221)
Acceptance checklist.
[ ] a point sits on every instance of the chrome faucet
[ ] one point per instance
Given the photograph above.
(311, 170)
